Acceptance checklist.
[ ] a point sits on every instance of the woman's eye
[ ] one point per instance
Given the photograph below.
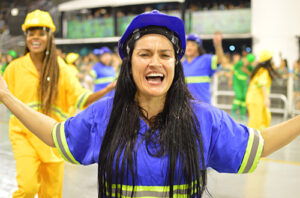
(144, 55)
(29, 34)
(42, 34)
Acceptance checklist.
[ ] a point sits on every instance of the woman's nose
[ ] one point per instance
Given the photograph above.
(155, 61)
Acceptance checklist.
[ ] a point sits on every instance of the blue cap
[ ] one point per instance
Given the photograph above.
(154, 18)
(101, 51)
(195, 38)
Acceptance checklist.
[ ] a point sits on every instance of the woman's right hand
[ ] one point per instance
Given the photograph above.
(267, 102)
(112, 85)
(3, 88)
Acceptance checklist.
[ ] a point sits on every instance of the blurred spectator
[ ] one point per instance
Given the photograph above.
(217, 5)
(148, 9)
(227, 67)
(72, 59)
(116, 62)
(3, 62)
(85, 78)
(235, 58)
(296, 77)
(241, 71)
(60, 53)
(283, 69)
(258, 94)
(11, 55)
(103, 72)
(2, 24)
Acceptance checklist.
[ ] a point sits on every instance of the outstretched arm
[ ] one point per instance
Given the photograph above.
(38, 123)
(218, 47)
(278, 136)
(99, 94)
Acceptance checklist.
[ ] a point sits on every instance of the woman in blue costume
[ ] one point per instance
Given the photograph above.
(152, 139)
(199, 66)
(103, 72)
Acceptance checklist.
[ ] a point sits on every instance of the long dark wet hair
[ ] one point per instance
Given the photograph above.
(178, 136)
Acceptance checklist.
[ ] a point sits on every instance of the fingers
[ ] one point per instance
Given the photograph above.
(217, 38)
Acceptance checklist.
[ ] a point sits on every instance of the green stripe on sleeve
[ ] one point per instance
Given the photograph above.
(236, 102)
(104, 80)
(253, 151)
(258, 153)
(214, 62)
(93, 74)
(82, 99)
(60, 141)
(55, 131)
(197, 79)
(248, 151)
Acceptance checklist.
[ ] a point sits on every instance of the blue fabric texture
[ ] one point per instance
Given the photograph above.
(201, 66)
(225, 141)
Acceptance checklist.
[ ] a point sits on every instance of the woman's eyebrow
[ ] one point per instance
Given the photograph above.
(160, 50)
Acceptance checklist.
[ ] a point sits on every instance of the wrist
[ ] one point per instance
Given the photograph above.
(5, 97)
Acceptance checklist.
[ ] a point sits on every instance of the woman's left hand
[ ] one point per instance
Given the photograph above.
(217, 38)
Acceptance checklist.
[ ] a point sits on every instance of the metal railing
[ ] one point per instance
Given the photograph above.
(219, 91)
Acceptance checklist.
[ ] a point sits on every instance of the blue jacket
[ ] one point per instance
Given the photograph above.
(228, 146)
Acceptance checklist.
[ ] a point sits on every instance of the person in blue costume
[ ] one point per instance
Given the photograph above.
(152, 139)
(199, 66)
(103, 73)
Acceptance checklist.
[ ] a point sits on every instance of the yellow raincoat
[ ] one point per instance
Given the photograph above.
(259, 114)
(39, 167)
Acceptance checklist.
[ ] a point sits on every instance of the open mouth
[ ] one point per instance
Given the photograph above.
(155, 78)
(36, 44)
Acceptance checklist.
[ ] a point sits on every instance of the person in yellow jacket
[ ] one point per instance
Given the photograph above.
(257, 98)
(71, 59)
(42, 81)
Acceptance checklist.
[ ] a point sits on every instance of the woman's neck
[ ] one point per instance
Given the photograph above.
(37, 60)
(152, 105)
(190, 58)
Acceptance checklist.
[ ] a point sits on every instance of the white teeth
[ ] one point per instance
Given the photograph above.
(36, 43)
(155, 75)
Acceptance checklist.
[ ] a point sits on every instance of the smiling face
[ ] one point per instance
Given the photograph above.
(153, 65)
(36, 40)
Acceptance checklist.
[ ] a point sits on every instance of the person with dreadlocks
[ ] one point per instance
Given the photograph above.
(199, 67)
(258, 94)
(44, 83)
(152, 139)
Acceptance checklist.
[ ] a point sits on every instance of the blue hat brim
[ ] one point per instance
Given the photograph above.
(153, 18)
(101, 51)
(193, 37)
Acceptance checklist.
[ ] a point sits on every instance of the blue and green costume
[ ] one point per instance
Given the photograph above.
(240, 86)
(228, 146)
(198, 74)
